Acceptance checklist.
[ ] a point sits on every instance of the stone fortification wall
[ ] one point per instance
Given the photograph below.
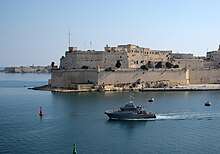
(110, 59)
(66, 79)
(92, 59)
(138, 56)
(182, 55)
(190, 63)
(177, 76)
(89, 58)
(78, 59)
(159, 55)
(209, 64)
(204, 76)
(215, 57)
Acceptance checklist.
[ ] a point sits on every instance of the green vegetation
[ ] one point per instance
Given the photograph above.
(158, 65)
(52, 64)
(85, 67)
(109, 69)
(144, 67)
(149, 64)
(168, 65)
(176, 66)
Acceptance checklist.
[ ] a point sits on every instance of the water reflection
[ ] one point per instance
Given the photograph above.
(130, 126)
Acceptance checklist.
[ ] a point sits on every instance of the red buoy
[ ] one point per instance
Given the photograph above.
(41, 112)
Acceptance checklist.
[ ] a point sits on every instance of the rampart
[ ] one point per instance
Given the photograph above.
(68, 79)
(178, 76)
(204, 76)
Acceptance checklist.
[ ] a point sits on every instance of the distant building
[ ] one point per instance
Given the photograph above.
(28, 69)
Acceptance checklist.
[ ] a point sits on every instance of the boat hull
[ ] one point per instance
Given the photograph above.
(130, 116)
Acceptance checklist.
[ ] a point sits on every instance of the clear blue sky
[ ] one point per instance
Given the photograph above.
(35, 32)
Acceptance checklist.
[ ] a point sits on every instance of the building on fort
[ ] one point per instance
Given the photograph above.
(214, 58)
(130, 56)
(187, 60)
(137, 56)
(98, 69)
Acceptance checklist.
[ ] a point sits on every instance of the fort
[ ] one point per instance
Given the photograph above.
(128, 67)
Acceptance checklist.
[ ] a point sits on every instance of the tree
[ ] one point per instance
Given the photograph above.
(52, 65)
(158, 65)
(144, 67)
(149, 64)
(85, 67)
(109, 69)
(176, 66)
(168, 65)
(118, 64)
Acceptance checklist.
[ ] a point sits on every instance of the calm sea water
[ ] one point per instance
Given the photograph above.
(183, 124)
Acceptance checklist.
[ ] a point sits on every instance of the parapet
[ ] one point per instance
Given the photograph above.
(72, 49)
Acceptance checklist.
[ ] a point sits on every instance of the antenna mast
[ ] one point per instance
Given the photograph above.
(69, 34)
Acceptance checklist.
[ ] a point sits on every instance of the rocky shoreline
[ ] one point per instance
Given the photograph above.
(194, 87)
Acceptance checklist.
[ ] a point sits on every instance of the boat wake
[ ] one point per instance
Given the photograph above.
(144, 119)
(187, 116)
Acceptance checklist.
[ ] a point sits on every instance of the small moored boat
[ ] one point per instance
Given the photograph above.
(151, 99)
(208, 103)
(130, 112)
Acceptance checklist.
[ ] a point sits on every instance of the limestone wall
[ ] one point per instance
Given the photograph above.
(178, 76)
(92, 59)
(139, 55)
(204, 76)
(65, 79)
(69, 61)
(159, 55)
(209, 64)
(110, 59)
(182, 55)
(190, 63)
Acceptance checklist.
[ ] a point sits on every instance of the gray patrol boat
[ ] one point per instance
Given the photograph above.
(130, 112)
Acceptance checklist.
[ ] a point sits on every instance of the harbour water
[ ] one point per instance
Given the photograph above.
(183, 123)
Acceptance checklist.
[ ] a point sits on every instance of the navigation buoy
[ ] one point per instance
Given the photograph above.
(41, 112)
(74, 149)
